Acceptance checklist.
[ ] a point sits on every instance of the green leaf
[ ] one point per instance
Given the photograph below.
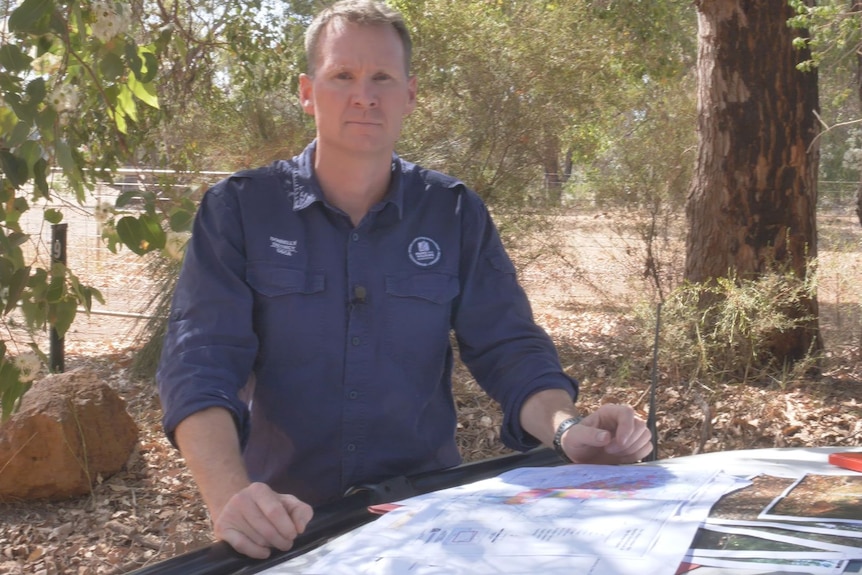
(25, 16)
(40, 178)
(125, 198)
(21, 205)
(8, 120)
(45, 121)
(146, 93)
(15, 168)
(120, 120)
(36, 91)
(142, 234)
(12, 389)
(152, 67)
(53, 216)
(34, 312)
(13, 58)
(156, 236)
(64, 157)
(85, 294)
(126, 103)
(181, 220)
(133, 58)
(61, 315)
(31, 152)
(15, 288)
(19, 134)
(111, 66)
(38, 283)
(56, 288)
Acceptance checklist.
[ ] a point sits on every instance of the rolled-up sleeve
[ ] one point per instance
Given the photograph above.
(210, 346)
(510, 356)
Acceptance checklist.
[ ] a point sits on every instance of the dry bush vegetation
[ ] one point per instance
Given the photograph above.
(583, 291)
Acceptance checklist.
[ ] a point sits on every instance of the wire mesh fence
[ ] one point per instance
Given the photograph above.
(594, 263)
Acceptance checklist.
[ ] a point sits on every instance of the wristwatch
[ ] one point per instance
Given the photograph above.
(558, 436)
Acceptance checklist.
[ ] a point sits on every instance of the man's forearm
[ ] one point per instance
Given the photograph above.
(209, 443)
(544, 411)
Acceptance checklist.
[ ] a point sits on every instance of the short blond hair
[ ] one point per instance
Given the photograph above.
(363, 12)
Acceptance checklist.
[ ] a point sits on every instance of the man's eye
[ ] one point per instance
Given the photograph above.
(343, 76)
(382, 77)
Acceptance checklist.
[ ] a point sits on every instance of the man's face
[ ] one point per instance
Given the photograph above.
(360, 92)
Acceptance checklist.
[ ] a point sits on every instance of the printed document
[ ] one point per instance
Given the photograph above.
(591, 519)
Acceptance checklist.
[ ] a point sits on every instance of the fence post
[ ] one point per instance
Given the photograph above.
(58, 255)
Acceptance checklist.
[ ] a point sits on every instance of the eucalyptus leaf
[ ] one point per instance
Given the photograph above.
(25, 16)
(181, 220)
(14, 168)
(146, 93)
(15, 288)
(36, 91)
(53, 216)
(61, 314)
(126, 103)
(19, 134)
(40, 178)
(56, 289)
(133, 234)
(13, 58)
(111, 66)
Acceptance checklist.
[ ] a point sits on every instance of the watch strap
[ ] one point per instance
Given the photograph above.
(558, 436)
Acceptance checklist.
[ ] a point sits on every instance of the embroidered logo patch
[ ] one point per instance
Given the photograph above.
(284, 247)
(424, 252)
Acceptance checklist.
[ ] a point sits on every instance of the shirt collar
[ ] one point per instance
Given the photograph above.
(305, 190)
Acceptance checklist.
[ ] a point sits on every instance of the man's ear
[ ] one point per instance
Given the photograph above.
(306, 93)
(411, 94)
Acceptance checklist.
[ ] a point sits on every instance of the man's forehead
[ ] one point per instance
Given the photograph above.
(339, 26)
(337, 29)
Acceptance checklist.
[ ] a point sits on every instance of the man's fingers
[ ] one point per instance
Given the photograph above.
(585, 435)
(257, 519)
(242, 543)
(299, 511)
(640, 447)
(282, 517)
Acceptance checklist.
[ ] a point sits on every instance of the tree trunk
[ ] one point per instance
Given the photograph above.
(551, 163)
(751, 206)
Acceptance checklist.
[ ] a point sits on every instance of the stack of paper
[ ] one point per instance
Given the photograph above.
(811, 524)
(601, 520)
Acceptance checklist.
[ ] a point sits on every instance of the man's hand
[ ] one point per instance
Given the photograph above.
(250, 517)
(611, 434)
(257, 519)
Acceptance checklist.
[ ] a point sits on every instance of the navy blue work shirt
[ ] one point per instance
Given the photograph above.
(330, 344)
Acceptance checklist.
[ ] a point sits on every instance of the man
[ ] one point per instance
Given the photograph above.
(308, 348)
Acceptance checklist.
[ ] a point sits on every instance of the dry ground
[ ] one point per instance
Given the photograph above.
(151, 510)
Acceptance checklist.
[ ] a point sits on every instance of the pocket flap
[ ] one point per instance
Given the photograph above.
(434, 287)
(273, 281)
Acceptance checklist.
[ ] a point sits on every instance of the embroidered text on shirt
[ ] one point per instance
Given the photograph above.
(284, 247)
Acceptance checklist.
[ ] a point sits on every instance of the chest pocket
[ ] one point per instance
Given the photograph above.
(289, 315)
(417, 311)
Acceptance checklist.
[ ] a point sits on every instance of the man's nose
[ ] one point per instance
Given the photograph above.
(365, 95)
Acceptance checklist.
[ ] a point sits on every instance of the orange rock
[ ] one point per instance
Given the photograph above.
(71, 428)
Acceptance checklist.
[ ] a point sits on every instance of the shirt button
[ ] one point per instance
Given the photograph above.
(355, 237)
(352, 395)
(351, 448)
(355, 341)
